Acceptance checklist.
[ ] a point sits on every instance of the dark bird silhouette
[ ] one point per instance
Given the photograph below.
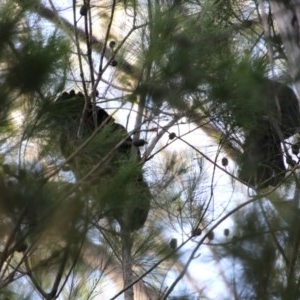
(104, 160)
(262, 162)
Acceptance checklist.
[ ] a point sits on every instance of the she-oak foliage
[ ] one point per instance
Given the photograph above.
(192, 62)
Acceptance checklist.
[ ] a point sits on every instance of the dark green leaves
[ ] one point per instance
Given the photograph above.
(10, 15)
(240, 90)
(37, 62)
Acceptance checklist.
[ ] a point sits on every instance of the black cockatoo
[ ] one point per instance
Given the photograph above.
(117, 185)
(262, 161)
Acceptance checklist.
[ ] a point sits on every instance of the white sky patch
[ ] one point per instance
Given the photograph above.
(17, 118)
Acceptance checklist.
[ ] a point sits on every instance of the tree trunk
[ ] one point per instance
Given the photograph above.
(287, 17)
(127, 263)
